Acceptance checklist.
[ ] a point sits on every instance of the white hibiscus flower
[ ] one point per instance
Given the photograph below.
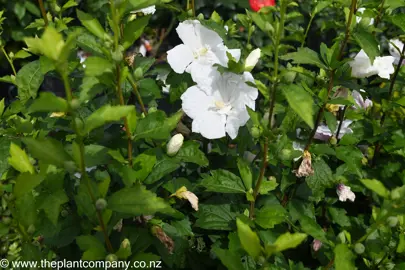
(345, 193)
(396, 52)
(220, 107)
(146, 11)
(201, 47)
(360, 102)
(324, 133)
(362, 67)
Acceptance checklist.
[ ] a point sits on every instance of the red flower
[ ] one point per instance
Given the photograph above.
(256, 5)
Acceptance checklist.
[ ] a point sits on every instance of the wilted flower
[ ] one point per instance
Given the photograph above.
(360, 102)
(252, 59)
(362, 67)
(345, 193)
(220, 107)
(175, 144)
(163, 238)
(396, 52)
(183, 193)
(324, 133)
(316, 245)
(256, 5)
(305, 169)
(202, 47)
(82, 56)
(358, 19)
(146, 11)
(118, 226)
(88, 169)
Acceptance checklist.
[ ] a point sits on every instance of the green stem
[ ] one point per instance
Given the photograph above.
(164, 36)
(332, 75)
(79, 141)
(43, 12)
(280, 32)
(307, 30)
(380, 14)
(136, 92)
(9, 60)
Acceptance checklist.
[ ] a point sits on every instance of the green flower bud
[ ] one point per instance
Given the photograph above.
(152, 110)
(392, 221)
(256, 132)
(4, 249)
(138, 73)
(70, 166)
(117, 56)
(333, 140)
(64, 213)
(57, 8)
(101, 204)
(285, 154)
(79, 124)
(31, 229)
(261, 260)
(111, 258)
(359, 248)
(200, 16)
(190, 12)
(75, 104)
(6, 220)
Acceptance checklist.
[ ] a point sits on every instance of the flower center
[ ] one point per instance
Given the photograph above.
(221, 107)
(219, 104)
(201, 52)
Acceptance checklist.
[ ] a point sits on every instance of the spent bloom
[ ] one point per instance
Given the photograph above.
(252, 59)
(395, 48)
(362, 67)
(316, 245)
(220, 107)
(323, 132)
(360, 102)
(256, 5)
(201, 47)
(146, 11)
(183, 193)
(305, 169)
(175, 144)
(345, 193)
(358, 19)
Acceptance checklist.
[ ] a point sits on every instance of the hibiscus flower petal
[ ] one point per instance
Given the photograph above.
(189, 33)
(196, 102)
(180, 57)
(210, 124)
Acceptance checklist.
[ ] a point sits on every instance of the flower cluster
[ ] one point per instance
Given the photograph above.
(217, 103)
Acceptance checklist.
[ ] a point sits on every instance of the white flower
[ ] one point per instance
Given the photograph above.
(146, 11)
(252, 59)
(345, 193)
(82, 56)
(316, 245)
(220, 107)
(202, 47)
(298, 147)
(163, 77)
(324, 133)
(394, 51)
(175, 144)
(358, 19)
(361, 103)
(362, 67)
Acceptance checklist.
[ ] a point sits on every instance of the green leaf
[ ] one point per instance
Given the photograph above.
(21, 54)
(301, 102)
(285, 241)
(339, 216)
(138, 201)
(190, 152)
(161, 169)
(228, 258)
(305, 56)
(4, 153)
(321, 179)
(48, 102)
(156, 126)
(248, 239)
(50, 44)
(69, 4)
(401, 244)
(320, 6)
(92, 24)
(51, 204)
(399, 20)
(223, 181)
(125, 250)
(96, 66)
(19, 159)
(376, 186)
(139, 4)
(105, 115)
(245, 173)
(92, 247)
(29, 78)
(269, 216)
(3, 229)
(330, 120)
(26, 210)
(312, 228)
(133, 30)
(351, 155)
(367, 42)
(143, 165)
(267, 186)
(215, 217)
(344, 258)
(25, 183)
(2, 107)
(48, 150)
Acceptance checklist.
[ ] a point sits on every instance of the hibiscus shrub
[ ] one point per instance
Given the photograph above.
(262, 135)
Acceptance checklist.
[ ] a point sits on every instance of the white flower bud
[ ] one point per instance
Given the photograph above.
(252, 59)
(316, 245)
(175, 144)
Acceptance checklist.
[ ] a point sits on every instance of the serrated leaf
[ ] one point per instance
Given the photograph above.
(223, 181)
(29, 78)
(51, 204)
(248, 239)
(321, 179)
(48, 102)
(190, 152)
(339, 216)
(161, 169)
(96, 66)
(367, 42)
(399, 20)
(285, 241)
(269, 216)
(228, 258)
(105, 115)
(344, 258)
(215, 217)
(311, 227)
(301, 102)
(25, 183)
(92, 24)
(133, 30)
(92, 247)
(305, 56)
(245, 173)
(19, 159)
(156, 126)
